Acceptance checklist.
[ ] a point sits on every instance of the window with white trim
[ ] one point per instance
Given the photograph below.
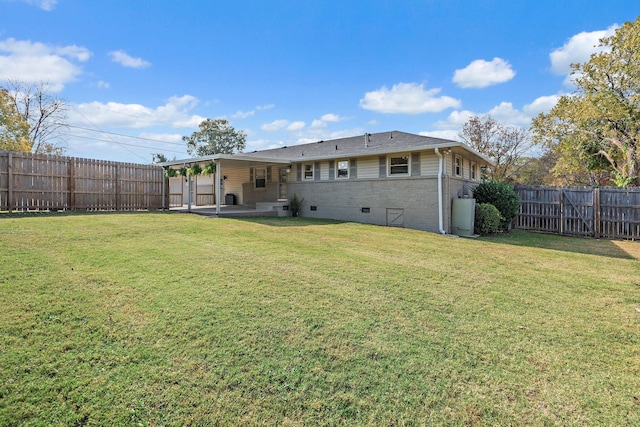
(474, 171)
(342, 169)
(308, 171)
(261, 178)
(399, 165)
(457, 165)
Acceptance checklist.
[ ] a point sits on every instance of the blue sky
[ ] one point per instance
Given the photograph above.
(289, 72)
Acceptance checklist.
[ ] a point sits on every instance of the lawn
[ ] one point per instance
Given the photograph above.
(171, 319)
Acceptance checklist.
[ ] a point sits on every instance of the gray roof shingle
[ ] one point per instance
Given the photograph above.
(355, 146)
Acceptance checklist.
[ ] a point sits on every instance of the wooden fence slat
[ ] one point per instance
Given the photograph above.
(607, 212)
(43, 182)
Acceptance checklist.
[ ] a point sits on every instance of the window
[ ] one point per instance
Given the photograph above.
(308, 171)
(261, 177)
(342, 171)
(457, 165)
(474, 171)
(399, 165)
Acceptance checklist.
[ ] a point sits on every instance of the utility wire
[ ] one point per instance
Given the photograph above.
(119, 143)
(128, 136)
(112, 140)
(173, 125)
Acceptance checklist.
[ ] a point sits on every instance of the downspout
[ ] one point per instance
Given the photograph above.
(440, 170)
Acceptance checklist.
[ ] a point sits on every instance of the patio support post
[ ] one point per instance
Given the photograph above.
(217, 186)
(189, 190)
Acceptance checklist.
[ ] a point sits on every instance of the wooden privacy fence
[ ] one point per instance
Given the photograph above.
(607, 212)
(41, 182)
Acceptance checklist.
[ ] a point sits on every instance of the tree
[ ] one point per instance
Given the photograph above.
(503, 144)
(597, 128)
(159, 158)
(215, 137)
(14, 131)
(45, 114)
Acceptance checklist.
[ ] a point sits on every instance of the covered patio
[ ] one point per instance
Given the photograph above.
(245, 185)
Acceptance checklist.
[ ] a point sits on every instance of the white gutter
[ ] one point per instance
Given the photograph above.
(440, 170)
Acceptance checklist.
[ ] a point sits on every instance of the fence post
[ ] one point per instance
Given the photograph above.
(596, 212)
(71, 185)
(561, 213)
(117, 187)
(10, 182)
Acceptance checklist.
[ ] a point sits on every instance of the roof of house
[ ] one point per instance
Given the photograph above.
(362, 145)
(354, 146)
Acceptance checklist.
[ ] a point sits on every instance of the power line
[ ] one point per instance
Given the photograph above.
(112, 140)
(119, 143)
(125, 135)
(144, 120)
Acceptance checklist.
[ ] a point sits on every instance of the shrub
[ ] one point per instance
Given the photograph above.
(500, 195)
(295, 204)
(488, 219)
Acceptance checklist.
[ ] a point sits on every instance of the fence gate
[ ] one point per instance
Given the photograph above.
(577, 213)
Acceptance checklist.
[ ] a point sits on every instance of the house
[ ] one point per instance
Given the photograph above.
(390, 178)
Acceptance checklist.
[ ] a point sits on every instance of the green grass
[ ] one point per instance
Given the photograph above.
(173, 319)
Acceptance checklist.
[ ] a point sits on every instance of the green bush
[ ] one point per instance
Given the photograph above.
(488, 219)
(500, 195)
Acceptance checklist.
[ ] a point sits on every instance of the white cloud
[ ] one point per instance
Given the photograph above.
(275, 125)
(331, 118)
(481, 73)
(455, 120)
(578, 49)
(505, 113)
(167, 137)
(102, 84)
(43, 4)
(246, 114)
(34, 62)
(296, 126)
(542, 104)
(243, 114)
(318, 124)
(408, 98)
(444, 134)
(314, 135)
(123, 58)
(131, 116)
(263, 144)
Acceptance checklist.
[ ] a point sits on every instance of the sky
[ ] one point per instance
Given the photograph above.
(137, 75)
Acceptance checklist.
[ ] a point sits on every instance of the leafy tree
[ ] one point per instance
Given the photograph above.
(215, 137)
(503, 144)
(537, 170)
(44, 114)
(14, 131)
(597, 128)
(159, 158)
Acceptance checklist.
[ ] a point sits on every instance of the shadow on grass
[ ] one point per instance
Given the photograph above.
(582, 245)
(287, 221)
(61, 213)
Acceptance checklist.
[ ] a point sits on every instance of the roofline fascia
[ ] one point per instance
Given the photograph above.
(256, 159)
(453, 144)
(216, 157)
